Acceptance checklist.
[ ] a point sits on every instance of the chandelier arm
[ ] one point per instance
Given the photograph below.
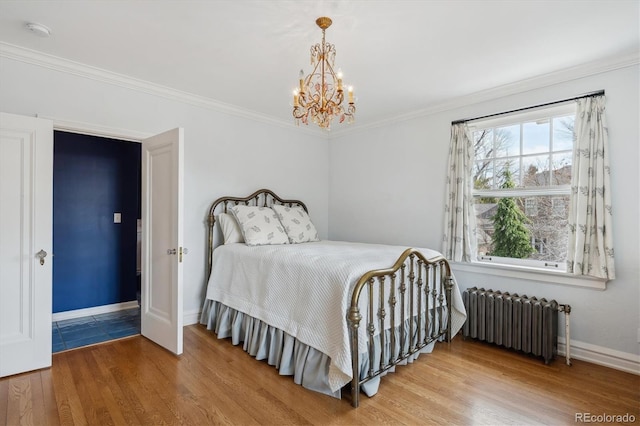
(309, 78)
(332, 72)
(334, 85)
(315, 101)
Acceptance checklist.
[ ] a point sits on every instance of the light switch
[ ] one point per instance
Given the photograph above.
(117, 217)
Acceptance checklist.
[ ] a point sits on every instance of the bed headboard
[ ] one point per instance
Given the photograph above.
(262, 197)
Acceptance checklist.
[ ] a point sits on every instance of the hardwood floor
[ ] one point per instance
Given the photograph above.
(134, 381)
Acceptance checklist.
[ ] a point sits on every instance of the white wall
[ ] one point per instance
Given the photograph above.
(383, 184)
(387, 185)
(224, 154)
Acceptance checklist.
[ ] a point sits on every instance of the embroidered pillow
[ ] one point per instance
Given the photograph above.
(259, 225)
(230, 229)
(297, 224)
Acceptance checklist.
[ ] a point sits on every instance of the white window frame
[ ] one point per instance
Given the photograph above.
(537, 114)
(536, 275)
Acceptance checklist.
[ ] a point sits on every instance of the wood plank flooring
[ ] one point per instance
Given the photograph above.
(133, 381)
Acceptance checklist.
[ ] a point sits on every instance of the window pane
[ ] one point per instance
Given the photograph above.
(535, 137)
(483, 144)
(535, 170)
(484, 210)
(563, 133)
(504, 167)
(525, 228)
(483, 174)
(561, 171)
(549, 229)
(508, 141)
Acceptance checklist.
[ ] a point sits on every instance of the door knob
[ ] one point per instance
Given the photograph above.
(41, 254)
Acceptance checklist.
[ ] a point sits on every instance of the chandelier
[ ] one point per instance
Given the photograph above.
(320, 94)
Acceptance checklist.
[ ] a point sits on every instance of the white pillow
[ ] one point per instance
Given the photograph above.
(230, 229)
(297, 224)
(259, 225)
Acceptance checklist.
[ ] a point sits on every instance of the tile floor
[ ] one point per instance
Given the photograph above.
(77, 332)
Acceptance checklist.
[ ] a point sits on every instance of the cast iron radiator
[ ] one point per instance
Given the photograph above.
(522, 323)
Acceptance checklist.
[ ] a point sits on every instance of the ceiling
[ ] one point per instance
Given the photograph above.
(400, 56)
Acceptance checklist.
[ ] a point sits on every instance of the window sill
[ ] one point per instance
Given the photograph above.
(527, 273)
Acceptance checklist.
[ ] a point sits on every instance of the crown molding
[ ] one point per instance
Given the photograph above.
(71, 67)
(550, 79)
(56, 63)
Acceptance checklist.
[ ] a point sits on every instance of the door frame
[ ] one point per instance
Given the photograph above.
(125, 135)
(104, 132)
(107, 132)
(78, 129)
(97, 130)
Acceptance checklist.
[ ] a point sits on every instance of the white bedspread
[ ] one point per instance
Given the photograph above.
(275, 284)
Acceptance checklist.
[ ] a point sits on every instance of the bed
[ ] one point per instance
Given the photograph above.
(321, 310)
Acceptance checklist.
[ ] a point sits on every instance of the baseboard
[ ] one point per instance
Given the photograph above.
(192, 317)
(188, 318)
(96, 310)
(602, 356)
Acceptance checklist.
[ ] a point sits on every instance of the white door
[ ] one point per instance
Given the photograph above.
(162, 249)
(26, 214)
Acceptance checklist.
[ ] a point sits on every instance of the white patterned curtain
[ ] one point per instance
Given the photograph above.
(458, 243)
(590, 233)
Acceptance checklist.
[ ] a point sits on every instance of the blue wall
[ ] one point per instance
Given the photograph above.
(95, 259)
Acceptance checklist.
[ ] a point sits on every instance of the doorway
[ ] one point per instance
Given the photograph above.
(96, 239)
(26, 174)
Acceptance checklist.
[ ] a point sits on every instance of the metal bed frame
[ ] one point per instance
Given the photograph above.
(408, 300)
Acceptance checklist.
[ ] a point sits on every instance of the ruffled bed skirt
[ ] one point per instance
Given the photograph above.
(308, 366)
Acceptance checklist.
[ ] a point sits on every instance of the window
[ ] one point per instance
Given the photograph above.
(521, 181)
(531, 206)
(559, 206)
(539, 244)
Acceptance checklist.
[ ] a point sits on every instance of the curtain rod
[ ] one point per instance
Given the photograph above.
(586, 95)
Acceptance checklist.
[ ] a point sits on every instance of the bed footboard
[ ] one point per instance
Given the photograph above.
(407, 307)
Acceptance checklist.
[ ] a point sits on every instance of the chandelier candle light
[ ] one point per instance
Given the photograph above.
(320, 94)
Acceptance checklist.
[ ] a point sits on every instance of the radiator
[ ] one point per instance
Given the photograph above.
(522, 323)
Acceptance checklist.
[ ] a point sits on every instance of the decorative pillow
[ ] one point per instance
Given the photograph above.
(297, 224)
(230, 229)
(259, 225)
